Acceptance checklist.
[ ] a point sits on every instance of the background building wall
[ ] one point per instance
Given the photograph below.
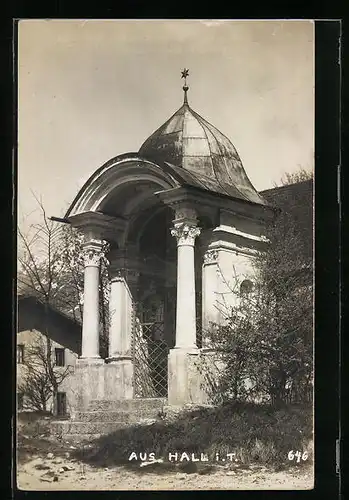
(63, 333)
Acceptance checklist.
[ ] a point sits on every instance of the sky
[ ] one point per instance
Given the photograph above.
(90, 90)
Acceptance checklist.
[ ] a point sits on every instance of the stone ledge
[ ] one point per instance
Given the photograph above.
(194, 351)
(116, 359)
(132, 417)
(89, 361)
(127, 404)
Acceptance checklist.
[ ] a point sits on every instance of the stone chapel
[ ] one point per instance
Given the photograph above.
(183, 222)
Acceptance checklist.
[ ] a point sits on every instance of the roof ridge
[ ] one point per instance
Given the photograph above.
(209, 147)
(163, 126)
(222, 153)
(285, 186)
(228, 174)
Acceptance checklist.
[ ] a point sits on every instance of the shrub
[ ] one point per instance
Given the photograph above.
(255, 433)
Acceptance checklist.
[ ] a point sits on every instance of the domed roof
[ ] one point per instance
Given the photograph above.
(189, 142)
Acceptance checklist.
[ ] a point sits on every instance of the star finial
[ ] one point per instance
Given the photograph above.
(185, 73)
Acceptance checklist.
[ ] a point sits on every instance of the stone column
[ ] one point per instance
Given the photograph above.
(121, 316)
(90, 325)
(210, 297)
(183, 380)
(116, 315)
(119, 367)
(185, 232)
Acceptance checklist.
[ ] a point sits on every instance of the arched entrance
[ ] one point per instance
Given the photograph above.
(152, 223)
(155, 304)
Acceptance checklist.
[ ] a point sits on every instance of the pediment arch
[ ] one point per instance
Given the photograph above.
(121, 184)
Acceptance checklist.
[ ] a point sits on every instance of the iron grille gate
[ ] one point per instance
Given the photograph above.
(150, 353)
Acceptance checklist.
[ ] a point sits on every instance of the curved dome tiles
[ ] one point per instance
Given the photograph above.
(191, 143)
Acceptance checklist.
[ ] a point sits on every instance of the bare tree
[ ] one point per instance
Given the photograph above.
(40, 272)
(49, 265)
(300, 175)
(42, 377)
(51, 268)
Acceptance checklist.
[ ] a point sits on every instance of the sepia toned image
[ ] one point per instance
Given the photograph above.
(165, 255)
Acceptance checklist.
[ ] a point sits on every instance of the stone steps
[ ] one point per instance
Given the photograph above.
(105, 416)
(115, 416)
(140, 404)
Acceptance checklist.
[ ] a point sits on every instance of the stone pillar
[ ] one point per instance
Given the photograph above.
(132, 280)
(88, 380)
(116, 316)
(210, 297)
(185, 232)
(183, 384)
(121, 316)
(91, 377)
(90, 324)
(119, 367)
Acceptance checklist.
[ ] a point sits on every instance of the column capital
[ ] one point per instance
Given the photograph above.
(185, 211)
(98, 225)
(117, 274)
(92, 252)
(185, 232)
(123, 274)
(210, 256)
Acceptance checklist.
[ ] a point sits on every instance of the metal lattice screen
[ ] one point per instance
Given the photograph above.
(150, 352)
(151, 345)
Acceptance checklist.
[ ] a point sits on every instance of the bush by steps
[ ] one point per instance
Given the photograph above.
(255, 433)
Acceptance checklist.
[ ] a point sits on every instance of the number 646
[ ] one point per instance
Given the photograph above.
(292, 455)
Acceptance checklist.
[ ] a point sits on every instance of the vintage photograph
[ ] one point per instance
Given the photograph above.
(165, 272)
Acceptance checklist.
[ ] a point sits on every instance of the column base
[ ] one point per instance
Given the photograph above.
(207, 350)
(96, 378)
(89, 381)
(188, 349)
(183, 383)
(83, 361)
(192, 375)
(118, 383)
(121, 357)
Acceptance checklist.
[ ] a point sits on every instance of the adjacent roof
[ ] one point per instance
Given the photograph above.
(202, 153)
(297, 200)
(297, 197)
(23, 298)
(60, 327)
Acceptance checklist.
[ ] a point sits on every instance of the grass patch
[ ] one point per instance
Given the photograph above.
(257, 434)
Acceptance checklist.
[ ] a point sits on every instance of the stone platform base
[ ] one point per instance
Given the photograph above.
(97, 379)
(107, 416)
(189, 374)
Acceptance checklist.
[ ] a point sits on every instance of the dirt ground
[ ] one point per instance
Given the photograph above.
(44, 464)
(56, 473)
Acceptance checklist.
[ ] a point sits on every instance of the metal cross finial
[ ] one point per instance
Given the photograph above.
(185, 73)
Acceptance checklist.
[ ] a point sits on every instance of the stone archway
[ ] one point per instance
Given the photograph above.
(154, 333)
(153, 224)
